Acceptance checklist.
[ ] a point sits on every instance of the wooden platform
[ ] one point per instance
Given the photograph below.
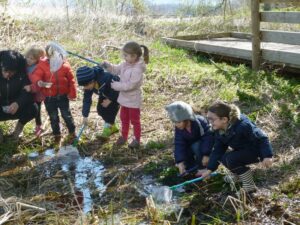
(238, 46)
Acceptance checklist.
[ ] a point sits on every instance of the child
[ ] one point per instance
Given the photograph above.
(130, 97)
(33, 55)
(54, 75)
(193, 138)
(248, 143)
(95, 80)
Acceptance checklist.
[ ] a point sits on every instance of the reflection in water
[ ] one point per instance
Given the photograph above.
(88, 172)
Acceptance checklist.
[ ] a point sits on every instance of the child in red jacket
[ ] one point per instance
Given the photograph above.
(56, 80)
(33, 55)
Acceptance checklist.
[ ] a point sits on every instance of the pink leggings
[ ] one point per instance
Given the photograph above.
(132, 115)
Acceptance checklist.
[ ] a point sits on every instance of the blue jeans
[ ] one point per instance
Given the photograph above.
(53, 104)
(194, 156)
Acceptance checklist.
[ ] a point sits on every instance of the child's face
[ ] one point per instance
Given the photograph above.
(31, 60)
(181, 125)
(218, 123)
(129, 58)
(89, 86)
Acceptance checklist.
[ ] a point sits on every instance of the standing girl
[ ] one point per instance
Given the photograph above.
(55, 77)
(33, 55)
(130, 96)
(248, 143)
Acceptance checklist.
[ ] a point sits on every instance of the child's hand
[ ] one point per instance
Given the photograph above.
(27, 88)
(205, 174)
(105, 103)
(13, 108)
(205, 160)
(85, 121)
(267, 162)
(113, 84)
(106, 65)
(181, 167)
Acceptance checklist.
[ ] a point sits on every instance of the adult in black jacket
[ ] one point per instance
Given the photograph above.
(15, 101)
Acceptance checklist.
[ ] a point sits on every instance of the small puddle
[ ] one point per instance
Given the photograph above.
(88, 172)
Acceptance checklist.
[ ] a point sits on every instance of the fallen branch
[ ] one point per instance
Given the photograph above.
(24, 205)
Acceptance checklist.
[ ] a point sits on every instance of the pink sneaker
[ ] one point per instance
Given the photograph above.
(38, 130)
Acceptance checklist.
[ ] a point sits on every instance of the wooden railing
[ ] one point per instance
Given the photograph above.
(259, 35)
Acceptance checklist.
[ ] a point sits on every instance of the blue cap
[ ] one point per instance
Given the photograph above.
(85, 75)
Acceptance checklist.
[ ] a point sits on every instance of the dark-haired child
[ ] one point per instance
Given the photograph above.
(95, 80)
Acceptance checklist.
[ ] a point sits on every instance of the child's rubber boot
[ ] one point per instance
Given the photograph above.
(248, 182)
(18, 130)
(114, 128)
(106, 132)
(120, 141)
(57, 141)
(231, 178)
(69, 140)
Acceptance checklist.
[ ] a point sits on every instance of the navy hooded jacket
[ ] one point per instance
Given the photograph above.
(243, 135)
(184, 139)
(102, 88)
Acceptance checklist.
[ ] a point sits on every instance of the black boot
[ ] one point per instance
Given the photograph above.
(18, 130)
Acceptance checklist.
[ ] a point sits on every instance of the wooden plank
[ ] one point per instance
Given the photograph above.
(255, 25)
(241, 35)
(294, 2)
(285, 37)
(288, 58)
(280, 17)
(210, 48)
(203, 36)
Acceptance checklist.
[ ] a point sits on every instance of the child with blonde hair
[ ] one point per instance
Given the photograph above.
(130, 92)
(33, 55)
(55, 78)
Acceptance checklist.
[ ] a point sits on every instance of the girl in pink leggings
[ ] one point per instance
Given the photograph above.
(129, 87)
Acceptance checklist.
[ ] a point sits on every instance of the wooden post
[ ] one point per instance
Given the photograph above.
(255, 18)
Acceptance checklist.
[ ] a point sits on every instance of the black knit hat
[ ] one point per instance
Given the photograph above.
(85, 75)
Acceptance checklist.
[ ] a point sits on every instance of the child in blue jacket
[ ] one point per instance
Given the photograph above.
(193, 138)
(95, 80)
(249, 144)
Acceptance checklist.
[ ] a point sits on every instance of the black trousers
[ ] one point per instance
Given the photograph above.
(61, 103)
(108, 114)
(38, 118)
(237, 161)
(24, 114)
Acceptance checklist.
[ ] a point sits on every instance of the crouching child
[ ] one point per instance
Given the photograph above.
(248, 144)
(193, 138)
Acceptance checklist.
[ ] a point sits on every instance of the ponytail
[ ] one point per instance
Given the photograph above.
(146, 53)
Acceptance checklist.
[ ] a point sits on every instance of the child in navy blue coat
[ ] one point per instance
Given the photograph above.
(249, 144)
(193, 138)
(95, 80)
